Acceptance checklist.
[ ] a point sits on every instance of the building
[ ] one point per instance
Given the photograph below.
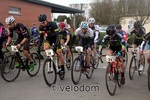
(27, 11)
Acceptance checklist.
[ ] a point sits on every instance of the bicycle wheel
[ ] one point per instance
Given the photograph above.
(132, 68)
(90, 73)
(36, 64)
(118, 76)
(71, 61)
(126, 59)
(141, 63)
(96, 62)
(8, 71)
(111, 83)
(76, 71)
(49, 72)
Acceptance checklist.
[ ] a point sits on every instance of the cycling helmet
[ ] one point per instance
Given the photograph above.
(137, 24)
(111, 30)
(84, 24)
(42, 17)
(9, 20)
(91, 20)
(62, 25)
(118, 27)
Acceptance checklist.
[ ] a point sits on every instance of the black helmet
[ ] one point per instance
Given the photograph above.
(42, 17)
(111, 30)
(137, 24)
(118, 27)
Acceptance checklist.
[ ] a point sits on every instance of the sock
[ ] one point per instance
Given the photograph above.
(122, 74)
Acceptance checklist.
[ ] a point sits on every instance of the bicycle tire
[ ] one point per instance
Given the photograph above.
(97, 62)
(37, 64)
(109, 76)
(69, 67)
(5, 71)
(89, 75)
(131, 74)
(76, 66)
(143, 63)
(118, 76)
(126, 59)
(50, 65)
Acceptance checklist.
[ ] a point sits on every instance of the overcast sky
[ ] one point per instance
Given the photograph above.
(67, 2)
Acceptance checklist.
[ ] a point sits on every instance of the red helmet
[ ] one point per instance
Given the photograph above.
(62, 25)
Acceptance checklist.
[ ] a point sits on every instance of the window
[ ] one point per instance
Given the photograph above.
(14, 10)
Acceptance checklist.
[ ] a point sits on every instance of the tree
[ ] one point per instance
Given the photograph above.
(111, 11)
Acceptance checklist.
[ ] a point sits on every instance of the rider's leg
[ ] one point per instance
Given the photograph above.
(61, 60)
(88, 52)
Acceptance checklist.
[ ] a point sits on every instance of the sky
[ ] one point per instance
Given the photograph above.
(65, 3)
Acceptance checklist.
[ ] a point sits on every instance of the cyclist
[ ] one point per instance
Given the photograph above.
(3, 37)
(64, 38)
(22, 40)
(49, 30)
(122, 32)
(86, 36)
(116, 44)
(146, 39)
(139, 33)
(96, 32)
(35, 33)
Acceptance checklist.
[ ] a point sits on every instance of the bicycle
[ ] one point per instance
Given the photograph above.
(148, 70)
(9, 68)
(113, 74)
(136, 63)
(79, 66)
(50, 67)
(64, 53)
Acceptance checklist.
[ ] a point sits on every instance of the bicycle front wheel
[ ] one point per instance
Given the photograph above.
(49, 72)
(36, 61)
(76, 71)
(90, 73)
(111, 83)
(141, 64)
(132, 68)
(9, 71)
(148, 72)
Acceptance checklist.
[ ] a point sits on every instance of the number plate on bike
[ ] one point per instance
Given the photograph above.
(14, 48)
(110, 58)
(49, 52)
(79, 49)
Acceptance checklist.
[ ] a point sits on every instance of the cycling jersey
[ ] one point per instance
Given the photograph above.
(114, 43)
(96, 32)
(124, 34)
(50, 30)
(146, 39)
(85, 38)
(62, 35)
(22, 32)
(138, 35)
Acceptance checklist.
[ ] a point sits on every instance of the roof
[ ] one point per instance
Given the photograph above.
(56, 8)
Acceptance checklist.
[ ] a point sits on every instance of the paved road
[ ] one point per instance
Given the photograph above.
(34, 88)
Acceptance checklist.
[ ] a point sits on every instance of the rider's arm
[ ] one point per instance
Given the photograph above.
(24, 33)
(146, 38)
(97, 36)
(103, 42)
(91, 39)
(68, 37)
(10, 36)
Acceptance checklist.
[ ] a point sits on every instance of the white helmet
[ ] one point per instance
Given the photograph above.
(9, 20)
(91, 20)
(84, 24)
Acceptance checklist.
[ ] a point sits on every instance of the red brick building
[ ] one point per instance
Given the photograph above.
(27, 11)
